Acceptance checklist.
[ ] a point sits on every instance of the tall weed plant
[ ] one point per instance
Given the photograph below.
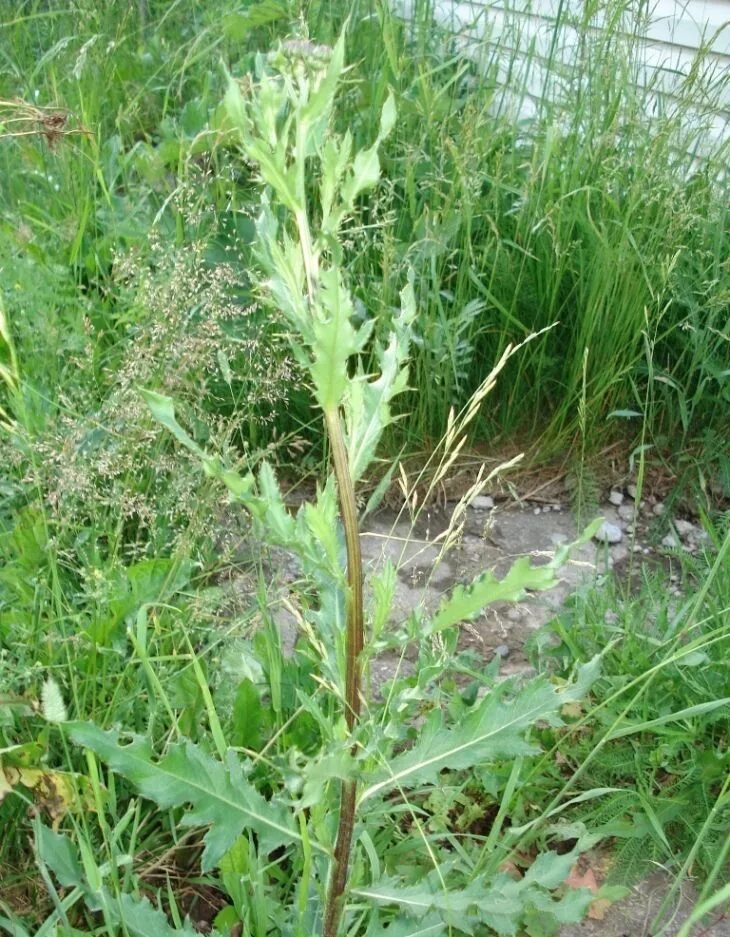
(327, 835)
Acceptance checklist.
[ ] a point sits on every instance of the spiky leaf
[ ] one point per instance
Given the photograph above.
(141, 919)
(465, 602)
(495, 728)
(334, 340)
(501, 903)
(220, 796)
(368, 405)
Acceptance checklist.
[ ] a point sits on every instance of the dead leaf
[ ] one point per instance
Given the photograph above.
(578, 879)
(509, 868)
(57, 792)
(598, 908)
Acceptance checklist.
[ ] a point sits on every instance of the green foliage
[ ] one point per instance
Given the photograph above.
(656, 737)
(227, 795)
(503, 904)
(408, 231)
(219, 794)
(492, 730)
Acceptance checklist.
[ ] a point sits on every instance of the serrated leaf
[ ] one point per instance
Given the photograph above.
(465, 602)
(219, 795)
(322, 523)
(365, 174)
(367, 412)
(494, 728)
(550, 870)
(334, 340)
(274, 172)
(270, 508)
(336, 155)
(141, 919)
(431, 926)
(501, 903)
(319, 104)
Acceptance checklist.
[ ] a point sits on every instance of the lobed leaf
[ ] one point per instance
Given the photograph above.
(465, 602)
(367, 412)
(494, 728)
(501, 903)
(219, 795)
(334, 340)
(141, 919)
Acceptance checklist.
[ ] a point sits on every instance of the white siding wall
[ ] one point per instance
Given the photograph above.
(517, 39)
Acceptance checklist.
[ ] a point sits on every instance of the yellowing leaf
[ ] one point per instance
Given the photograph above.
(56, 792)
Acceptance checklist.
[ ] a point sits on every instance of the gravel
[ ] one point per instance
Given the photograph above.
(608, 533)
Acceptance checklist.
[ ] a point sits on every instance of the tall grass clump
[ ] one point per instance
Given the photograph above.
(554, 181)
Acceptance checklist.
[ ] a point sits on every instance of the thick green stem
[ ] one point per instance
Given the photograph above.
(353, 651)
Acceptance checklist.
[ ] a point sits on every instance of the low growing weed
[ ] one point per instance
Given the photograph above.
(656, 737)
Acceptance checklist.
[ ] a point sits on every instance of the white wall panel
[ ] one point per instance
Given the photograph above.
(518, 41)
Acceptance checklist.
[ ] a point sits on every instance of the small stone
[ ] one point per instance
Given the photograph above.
(608, 533)
(557, 507)
(514, 614)
(619, 553)
(616, 497)
(658, 509)
(632, 491)
(684, 528)
(610, 617)
(626, 512)
(483, 502)
(670, 541)
(502, 651)
(536, 511)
